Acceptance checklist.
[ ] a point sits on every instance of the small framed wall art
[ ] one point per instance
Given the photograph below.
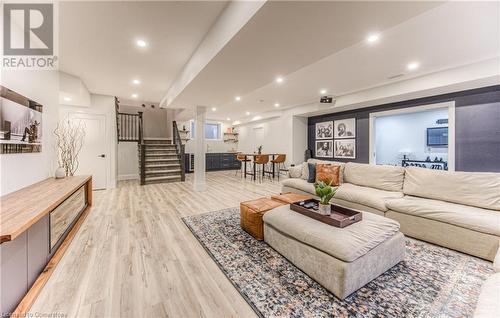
(324, 130)
(324, 149)
(345, 149)
(345, 128)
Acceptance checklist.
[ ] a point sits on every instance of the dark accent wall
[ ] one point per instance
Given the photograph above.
(477, 127)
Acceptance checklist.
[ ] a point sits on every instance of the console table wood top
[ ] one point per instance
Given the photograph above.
(21, 209)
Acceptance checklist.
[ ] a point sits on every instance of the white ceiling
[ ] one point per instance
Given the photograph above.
(97, 43)
(322, 45)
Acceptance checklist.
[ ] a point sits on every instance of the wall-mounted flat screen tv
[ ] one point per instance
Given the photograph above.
(437, 136)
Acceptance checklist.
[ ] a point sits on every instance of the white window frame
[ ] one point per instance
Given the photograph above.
(451, 128)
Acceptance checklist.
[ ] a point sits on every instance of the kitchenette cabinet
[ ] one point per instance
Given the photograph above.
(214, 162)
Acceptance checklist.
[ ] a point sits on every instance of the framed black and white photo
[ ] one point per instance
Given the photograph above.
(345, 149)
(345, 128)
(324, 149)
(324, 130)
(20, 123)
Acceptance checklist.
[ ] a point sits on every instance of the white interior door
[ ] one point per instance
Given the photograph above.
(93, 156)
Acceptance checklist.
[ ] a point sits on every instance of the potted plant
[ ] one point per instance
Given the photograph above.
(325, 192)
(69, 138)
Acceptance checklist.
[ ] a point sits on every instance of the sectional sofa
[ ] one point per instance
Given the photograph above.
(457, 210)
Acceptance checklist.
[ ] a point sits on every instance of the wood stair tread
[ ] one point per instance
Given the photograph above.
(164, 165)
(162, 159)
(163, 178)
(163, 171)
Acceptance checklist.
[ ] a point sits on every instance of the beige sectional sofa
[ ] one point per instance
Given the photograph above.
(488, 304)
(458, 210)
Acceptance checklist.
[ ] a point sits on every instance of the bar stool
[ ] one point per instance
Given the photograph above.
(280, 161)
(262, 160)
(242, 159)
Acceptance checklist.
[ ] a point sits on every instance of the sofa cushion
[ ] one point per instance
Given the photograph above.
(327, 173)
(478, 189)
(371, 197)
(389, 178)
(305, 171)
(312, 172)
(336, 163)
(477, 219)
(346, 244)
(295, 171)
(300, 184)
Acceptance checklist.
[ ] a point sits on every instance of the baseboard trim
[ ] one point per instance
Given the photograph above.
(128, 177)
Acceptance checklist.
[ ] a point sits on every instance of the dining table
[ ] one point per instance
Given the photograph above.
(253, 155)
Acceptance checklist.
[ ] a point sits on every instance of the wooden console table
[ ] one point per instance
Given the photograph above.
(37, 223)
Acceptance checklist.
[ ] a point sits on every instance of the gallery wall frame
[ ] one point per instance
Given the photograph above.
(20, 123)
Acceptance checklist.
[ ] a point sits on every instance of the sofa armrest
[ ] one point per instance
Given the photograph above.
(496, 261)
(487, 304)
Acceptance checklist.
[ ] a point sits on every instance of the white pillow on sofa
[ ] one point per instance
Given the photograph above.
(295, 172)
(305, 171)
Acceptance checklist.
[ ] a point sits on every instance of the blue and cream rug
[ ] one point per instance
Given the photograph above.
(431, 282)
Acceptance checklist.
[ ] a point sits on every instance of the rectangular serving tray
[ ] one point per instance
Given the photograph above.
(340, 217)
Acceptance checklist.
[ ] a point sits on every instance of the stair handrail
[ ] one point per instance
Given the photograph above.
(142, 146)
(176, 139)
(117, 110)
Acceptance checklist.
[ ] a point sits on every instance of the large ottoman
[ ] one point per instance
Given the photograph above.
(290, 197)
(251, 213)
(341, 259)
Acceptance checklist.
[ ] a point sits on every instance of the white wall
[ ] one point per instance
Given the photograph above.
(21, 170)
(285, 134)
(213, 145)
(407, 133)
(128, 161)
(103, 105)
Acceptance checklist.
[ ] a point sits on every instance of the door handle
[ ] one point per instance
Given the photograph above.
(102, 156)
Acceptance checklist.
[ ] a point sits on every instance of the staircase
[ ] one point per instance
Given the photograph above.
(160, 159)
(162, 162)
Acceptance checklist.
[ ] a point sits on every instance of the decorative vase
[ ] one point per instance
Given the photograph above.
(60, 173)
(325, 209)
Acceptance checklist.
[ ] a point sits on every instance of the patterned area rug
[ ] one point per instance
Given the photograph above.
(431, 282)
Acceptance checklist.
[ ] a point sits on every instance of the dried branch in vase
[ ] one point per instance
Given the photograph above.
(70, 135)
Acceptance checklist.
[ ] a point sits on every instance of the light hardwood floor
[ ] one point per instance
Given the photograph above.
(134, 257)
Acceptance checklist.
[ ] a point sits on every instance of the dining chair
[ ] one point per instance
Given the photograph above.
(261, 161)
(242, 159)
(280, 162)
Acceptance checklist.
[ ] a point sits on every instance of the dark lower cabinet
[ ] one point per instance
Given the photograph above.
(23, 259)
(215, 161)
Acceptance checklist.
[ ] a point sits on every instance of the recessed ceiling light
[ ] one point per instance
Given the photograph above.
(412, 66)
(279, 79)
(228, 119)
(247, 113)
(276, 104)
(257, 118)
(214, 109)
(237, 98)
(372, 38)
(67, 99)
(323, 91)
(135, 95)
(141, 43)
(136, 82)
